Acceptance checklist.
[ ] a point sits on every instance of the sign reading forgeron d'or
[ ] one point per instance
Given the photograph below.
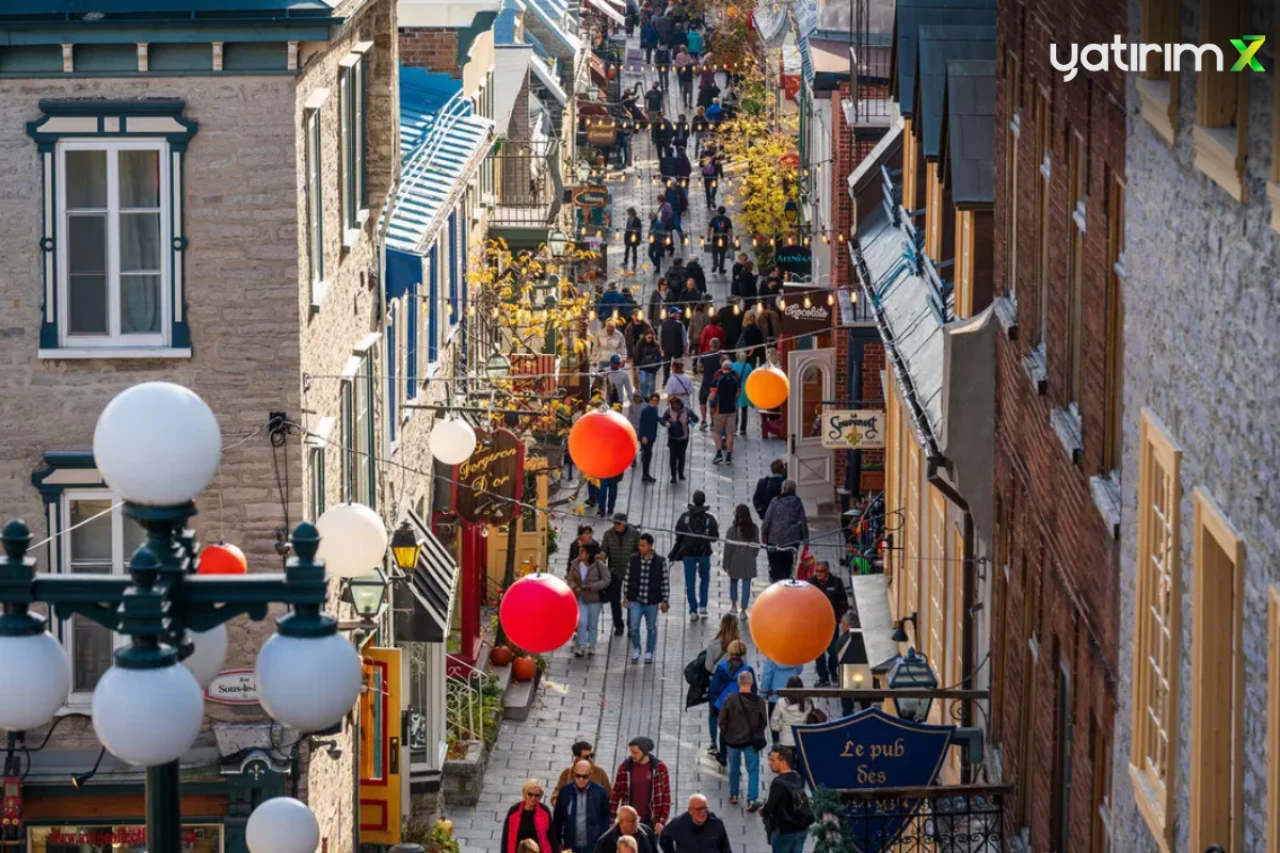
(853, 429)
(487, 487)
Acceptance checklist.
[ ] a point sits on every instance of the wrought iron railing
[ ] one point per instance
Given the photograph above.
(869, 59)
(528, 188)
(464, 706)
(937, 819)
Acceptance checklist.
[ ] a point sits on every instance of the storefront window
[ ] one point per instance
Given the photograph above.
(130, 838)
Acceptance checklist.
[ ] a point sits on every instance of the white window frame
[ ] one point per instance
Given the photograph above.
(83, 699)
(113, 338)
(315, 204)
(352, 111)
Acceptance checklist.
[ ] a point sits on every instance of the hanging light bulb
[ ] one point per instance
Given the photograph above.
(737, 309)
(484, 531)
(688, 313)
(686, 241)
(615, 315)
(448, 309)
(826, 239)
(808, 303)
(471, 310)
(842, 237)
(853, 296)
(702, 242)
(617, 234)
(782, 304)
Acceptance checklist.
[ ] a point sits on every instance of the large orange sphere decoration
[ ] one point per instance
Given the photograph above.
(603, 444)
(767, 388)
(222, 559)
(539, 613)
(792, 623)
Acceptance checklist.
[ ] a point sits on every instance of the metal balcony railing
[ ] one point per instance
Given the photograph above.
(528, 188)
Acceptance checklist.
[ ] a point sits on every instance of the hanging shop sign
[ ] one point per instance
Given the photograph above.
(872, 749)
(801, 319)
(853, 429)
(795, 259)
(592, 196)
(233, 687)
(487, 487)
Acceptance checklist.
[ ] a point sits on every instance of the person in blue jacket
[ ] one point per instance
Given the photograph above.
(648, 435)
(612, 299)
(582, 811)
(773, 679)
(648, 39)
(724, 680)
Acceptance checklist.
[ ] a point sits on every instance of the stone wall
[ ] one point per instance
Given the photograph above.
(1200, 351)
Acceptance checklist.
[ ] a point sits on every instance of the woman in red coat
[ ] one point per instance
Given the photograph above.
(529, 819)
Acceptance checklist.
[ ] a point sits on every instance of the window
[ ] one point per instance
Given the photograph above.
(362, 434)
(1161, 23)
(114, 214)
(1059, 810)
(392, 356)
(433, 305)
(1113, 403)
(346, 406)
(912, 551)
(998, 642)
(1022, 783)
(1217, 678)
(1077, 182)
(351, 108)
(1013, 93)
(315, 207)
(315, 476)
(1273, 723)
(1222, 99)
(413, 310)
(455, 263)
(1042, 217)
(893, 492)
(936, 630)
(102, 543)
(1157, 634)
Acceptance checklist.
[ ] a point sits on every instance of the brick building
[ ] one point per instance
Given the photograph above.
(1059, 179)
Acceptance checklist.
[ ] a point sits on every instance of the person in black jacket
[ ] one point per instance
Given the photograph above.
(653, 99)
(752, 339)
(744, 283)
(648, 588)
(696, 531)
(833, 588)
(672, 338)
(628, 824)
(768, 488)
(787, 813)
(579, 832)
(633, 235)
(662, 59)
(663, 130)
(695, 831)
(730, 317)
(694, 270)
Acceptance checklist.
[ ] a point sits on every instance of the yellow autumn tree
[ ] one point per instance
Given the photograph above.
(760, 160)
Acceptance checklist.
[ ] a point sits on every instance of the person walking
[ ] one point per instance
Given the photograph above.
(663, 25)
(632, 235)
(609, 342)
(743, 721)
(712, 334)
(608, 495)
(724, 410)
(659, 303)
(769, 321)
(642, 782)
(617, 380)
(851, 653)
(789, 712)
(710, 364)
(674, 339)
(769, 487)
(648, 41)
(529, 820)
(582, 751)
(751, 341)
(833, 588)
(693, 271)
(588, 580)
(743, 284)
(586, 536)
(648, 591)
(662, 59)
(787, 812)
(696, 532)
(741, 554)
(679, 385)
(717, 650)
(743, 368)
(648, 362)
(683, 130)
(785, 529)
(696, 831)
(619, 543)
(647, 435)
(773, 677)
(582, 811)
(659, 235)
(684, 63)
(719, 228)
(723, 682)
(628, 826)
(694, 42)
(676, 420)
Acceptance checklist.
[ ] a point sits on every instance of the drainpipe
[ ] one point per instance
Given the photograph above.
(936, 462)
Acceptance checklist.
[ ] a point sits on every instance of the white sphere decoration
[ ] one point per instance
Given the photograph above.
(39, 665)
(210, 654)
(452, 441)
(353, 540)
(282, 825)
(147, 717)
(157, 444)
(308, 683)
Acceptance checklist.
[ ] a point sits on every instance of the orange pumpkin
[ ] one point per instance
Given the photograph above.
(524, 668)
(222, 559)
(767, 388)
(603, 444)
(500, 655)
(792, 622)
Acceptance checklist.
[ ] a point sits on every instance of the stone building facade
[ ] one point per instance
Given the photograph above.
(1059, 177)
(1201, 259)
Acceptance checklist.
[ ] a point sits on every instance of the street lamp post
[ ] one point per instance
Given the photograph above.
(158, 446)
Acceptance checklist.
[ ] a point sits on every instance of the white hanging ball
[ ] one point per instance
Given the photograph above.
(157, 444)
(282, 825)
(39, 665)
(353, 540)
(452, 441)
(147, 717)
(308, 683)
(210, 654)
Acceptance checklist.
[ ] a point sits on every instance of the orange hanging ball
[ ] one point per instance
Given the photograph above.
(222, 559)
(792, 623)
(767, 387)
(603, 444)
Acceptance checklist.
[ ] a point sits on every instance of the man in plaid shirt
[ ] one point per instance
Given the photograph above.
(648, 588)
(643, 781)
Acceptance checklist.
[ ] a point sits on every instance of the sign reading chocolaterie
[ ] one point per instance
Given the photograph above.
(799, 318)
(488, 485)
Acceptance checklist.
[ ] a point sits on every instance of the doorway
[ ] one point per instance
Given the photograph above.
(812, 466)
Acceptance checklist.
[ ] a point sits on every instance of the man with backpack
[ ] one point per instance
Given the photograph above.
(787, 813)
(724, 410)
(719, 231)
(697, 530)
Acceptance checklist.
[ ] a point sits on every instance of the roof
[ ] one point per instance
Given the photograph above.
(914, 13)
(878, 157)
(552, 14)
(829, 56)
(969, 132)
(180, 11)
(504, 26)
(937, 45)
(439, 142)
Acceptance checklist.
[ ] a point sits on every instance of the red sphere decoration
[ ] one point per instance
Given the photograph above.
(539, 613)
(222, 559)
(603, 444)
(792, 622)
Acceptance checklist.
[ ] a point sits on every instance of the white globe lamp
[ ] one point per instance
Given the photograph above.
(210, 654)
(147, 717)
(452, 441)
(38, 674)
(157, 444)
(282, 825)
(309, 683)
(353, 540)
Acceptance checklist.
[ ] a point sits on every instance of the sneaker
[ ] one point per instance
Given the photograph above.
(591, 651)
(673, 479)
(733, 799)
(823, 682)
(717, 459)
(693, 616)
(618, 630)
(711, 750)
(648, 657)
(577, 651)
(635, 655)
(702, 613)
(682, 476)
(589, 502)
(704, 426)
(600, 512)
(743, 613)
(648, 479)
(728, 458)
(754, 806)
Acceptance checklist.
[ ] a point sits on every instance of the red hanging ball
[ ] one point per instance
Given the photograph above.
(603, 444)
(539, 613)
(222, 559)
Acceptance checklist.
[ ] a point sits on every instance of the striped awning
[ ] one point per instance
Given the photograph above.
(423, 604)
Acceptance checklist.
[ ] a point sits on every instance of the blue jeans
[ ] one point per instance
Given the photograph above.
(752, 756)
(789, 842)
(647, 380)
(608, 494)
(713, 727)
(745, 601)
(702, 566)
(648, 612)
(588, 622)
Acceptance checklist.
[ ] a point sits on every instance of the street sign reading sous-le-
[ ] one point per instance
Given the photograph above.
(233, 687)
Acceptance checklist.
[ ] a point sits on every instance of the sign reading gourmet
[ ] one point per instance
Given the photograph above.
(853, 429)
(487, 486)
(801, 319)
